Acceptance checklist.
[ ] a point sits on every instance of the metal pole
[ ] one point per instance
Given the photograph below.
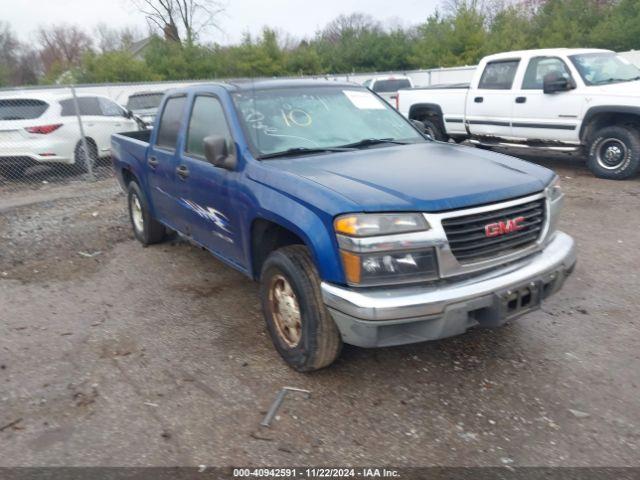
(85, 146)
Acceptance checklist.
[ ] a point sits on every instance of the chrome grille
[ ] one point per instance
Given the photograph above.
(469, 242)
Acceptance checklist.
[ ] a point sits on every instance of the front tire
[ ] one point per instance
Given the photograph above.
(301, 327)
(146, 229)
(614, 152)
(433, 129)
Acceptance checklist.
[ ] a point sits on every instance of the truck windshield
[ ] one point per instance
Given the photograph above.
(281, 120)
(602, 68)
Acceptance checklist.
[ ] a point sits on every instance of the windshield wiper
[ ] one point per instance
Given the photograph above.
(372, 141)
(302, 151)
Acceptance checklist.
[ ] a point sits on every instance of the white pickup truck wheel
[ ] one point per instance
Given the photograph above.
(299, 323)
(433, 130)
(614, 152)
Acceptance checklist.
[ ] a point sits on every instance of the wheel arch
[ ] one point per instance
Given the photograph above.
(601, 116)
(431, 111)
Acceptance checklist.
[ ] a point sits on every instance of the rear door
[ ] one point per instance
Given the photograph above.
(163, 186)
(490, 103)
(541, 116)
(205, 189)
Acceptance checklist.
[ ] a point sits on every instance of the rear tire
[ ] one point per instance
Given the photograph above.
(81, 162)
(146, 229)
(301, 327)
(614, 152)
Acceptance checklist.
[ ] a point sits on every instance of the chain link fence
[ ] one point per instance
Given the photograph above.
(58, 138)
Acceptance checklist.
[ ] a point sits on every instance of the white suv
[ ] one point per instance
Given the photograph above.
(38, 128)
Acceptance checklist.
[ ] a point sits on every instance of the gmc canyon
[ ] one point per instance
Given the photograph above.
(360, 228)
(567, 100)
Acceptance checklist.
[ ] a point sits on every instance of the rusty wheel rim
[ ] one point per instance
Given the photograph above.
(285, 310)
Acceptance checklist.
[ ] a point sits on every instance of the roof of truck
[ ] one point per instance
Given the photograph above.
(251, 84)
(542, 52)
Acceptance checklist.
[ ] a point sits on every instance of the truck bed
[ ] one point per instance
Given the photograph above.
(129, 148)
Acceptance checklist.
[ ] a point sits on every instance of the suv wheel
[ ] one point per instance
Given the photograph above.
(614, 152)
(301, 328)
(81, 161)
(146, 229)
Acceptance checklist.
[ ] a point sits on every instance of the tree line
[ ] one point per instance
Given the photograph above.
(459, 33)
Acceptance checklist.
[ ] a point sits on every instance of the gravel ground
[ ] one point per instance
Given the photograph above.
(113, 354)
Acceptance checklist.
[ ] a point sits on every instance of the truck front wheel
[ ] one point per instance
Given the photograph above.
(433, 129)
(145, 228)
(614, 152)
(300, 326)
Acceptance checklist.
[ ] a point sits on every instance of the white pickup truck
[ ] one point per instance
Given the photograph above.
(568, 100)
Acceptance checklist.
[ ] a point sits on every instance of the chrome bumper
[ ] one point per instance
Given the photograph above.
(395, 316)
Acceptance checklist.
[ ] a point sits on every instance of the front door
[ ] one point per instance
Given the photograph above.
(490, 103)
(541, 116)
(205, 188)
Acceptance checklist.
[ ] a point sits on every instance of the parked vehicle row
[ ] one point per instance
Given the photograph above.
(359, 228)
(43, 128)
(569, 100)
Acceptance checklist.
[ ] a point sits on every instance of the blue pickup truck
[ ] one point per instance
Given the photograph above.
(359, 227)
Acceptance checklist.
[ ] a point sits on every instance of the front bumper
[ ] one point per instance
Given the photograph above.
(397, 316)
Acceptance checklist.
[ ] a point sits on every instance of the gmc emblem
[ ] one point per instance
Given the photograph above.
(500, 228)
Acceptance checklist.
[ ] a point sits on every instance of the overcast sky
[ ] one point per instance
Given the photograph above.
(301, 18)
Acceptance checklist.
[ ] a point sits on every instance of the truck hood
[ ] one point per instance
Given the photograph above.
(621, 89)
(427, 177)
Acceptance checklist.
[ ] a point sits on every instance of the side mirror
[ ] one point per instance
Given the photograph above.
(218, 153)
(553, 84)
(128, 114)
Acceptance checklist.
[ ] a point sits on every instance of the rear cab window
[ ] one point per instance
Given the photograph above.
(22, 108)
(499, 75)
(391, 85)
(169, 126)
(207, 118)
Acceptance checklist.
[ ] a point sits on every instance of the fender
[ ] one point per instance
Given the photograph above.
(434, 107)
(314, 231)
(594, 111)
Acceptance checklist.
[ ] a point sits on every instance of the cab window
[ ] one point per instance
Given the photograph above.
(170, 122)
(88, 106)
(499, 75)
(207, 118)
(540, 68)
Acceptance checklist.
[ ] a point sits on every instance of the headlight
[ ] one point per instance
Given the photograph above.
(370, 224)
(554, 190)
(384, 268)
(386, 248)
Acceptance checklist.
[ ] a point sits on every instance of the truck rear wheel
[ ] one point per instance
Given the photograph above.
(614, 152)
(146, 229)
(301, 328)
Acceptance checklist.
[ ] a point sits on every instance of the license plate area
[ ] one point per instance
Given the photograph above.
(517, 301)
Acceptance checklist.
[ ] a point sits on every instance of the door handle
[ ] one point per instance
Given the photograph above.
(521, 99)
(478, 99)
(153, 162)
(182, 171)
